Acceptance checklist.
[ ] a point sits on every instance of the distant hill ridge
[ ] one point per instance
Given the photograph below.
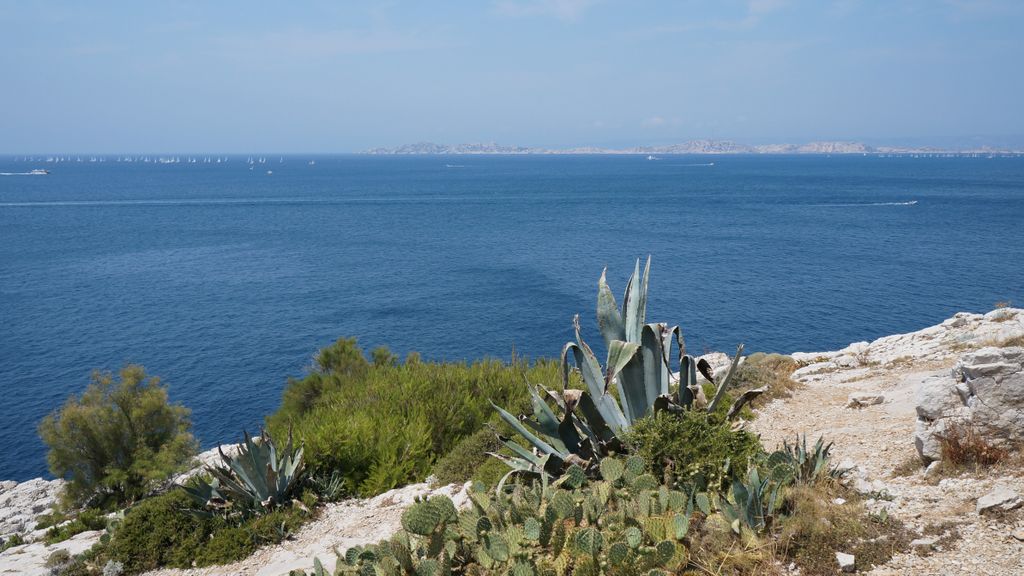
(688, 147)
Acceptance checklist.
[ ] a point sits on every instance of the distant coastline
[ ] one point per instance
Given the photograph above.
(690, 147)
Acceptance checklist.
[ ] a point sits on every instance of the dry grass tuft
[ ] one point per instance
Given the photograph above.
(816, 528)
(771, 370)
(965, 447)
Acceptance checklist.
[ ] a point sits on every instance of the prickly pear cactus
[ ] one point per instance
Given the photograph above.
(624, 524)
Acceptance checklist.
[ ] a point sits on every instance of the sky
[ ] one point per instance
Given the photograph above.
(194, 76)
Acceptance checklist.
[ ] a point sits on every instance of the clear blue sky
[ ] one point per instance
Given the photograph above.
(345, 76)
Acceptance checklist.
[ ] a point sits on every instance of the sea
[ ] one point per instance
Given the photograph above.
(225, 278)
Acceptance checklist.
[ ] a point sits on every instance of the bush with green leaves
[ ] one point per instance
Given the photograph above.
(693, 447)
(119, 439)
(161, 531)
(383, 424)
(88, 519)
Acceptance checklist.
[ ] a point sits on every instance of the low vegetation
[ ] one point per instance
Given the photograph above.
(771, 372)
(966, 448)
(614, 469)
(117, 441)
(693, 448)
(383, 424)
(163, 531)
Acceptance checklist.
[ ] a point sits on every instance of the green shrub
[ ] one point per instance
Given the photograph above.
(469, 455)
(119, 439)
(11, 542)
(89, 519)
(384, 424)
(160, 532)
(693, 447)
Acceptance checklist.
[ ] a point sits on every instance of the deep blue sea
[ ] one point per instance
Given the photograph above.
(224, 281)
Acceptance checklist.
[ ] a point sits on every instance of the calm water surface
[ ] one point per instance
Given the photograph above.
(225, 281)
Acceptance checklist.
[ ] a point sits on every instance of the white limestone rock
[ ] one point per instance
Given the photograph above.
(847, 562)
(864, 399)
(21, 503)
(1001, 498)
(985, 393)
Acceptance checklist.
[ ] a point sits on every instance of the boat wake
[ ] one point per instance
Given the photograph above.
(865, 204)
(32, 173)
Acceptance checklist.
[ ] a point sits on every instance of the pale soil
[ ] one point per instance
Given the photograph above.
(338, 527)
(879, 440)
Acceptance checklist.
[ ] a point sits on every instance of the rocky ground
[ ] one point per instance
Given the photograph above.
(878, 439)
(863, 397)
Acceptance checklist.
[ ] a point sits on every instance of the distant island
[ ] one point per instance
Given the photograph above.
(689, 147)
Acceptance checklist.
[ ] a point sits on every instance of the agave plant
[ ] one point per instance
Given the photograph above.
(634, 382)
(806, 466)
(256, 480)
(752, 503)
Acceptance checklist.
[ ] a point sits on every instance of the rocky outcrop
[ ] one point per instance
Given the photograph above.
(940, 342)
(22, 503)
(984, 394)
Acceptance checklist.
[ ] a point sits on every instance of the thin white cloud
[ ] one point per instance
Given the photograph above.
(561, 9)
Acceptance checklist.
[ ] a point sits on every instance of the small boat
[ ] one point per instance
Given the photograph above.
(38, 172)
(653, 158)
(270, 172)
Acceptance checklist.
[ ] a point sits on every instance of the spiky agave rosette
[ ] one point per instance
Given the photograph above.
(255, 480)
(635, 381)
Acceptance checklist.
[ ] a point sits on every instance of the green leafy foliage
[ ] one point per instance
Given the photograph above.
(693, 447)
(383, 424)
(119, 439)
(89, 519)
(160, 532)
(467, 458)
(12, 541)
(256, 480)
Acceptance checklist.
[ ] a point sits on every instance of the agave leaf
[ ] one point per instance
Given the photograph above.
(568, 435)
(641, 317)
(592, 415)
(547, 422)
(592, 377)
(654, 350)
(633, 314)
(619, 354)
(744, 398)
(609, 320)
(685, 392)
(725, 381)
(518, 427)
